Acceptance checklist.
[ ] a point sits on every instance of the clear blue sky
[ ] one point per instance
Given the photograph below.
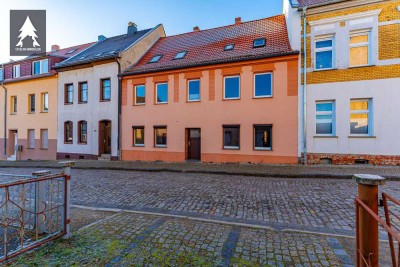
(71, 22)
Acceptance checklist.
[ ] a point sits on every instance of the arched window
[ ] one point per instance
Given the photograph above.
(82, 132)
(68, 132)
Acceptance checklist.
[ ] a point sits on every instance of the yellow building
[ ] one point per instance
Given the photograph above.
(352, 87)
(28, 105)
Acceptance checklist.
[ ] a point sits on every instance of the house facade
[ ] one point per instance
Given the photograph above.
(227, 94)
(89, 94)
(352, 83)
(29, 106)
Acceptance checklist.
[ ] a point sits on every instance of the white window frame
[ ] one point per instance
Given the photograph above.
(324, 49)
(42, 139)
(40, 66)
(134, 136)
(231, 98)
(15, 68)
(14, 104)
(369, 112)
(272, 83)
(155, 137)
(223, 137)
(140, 104)
(188, 90)
(333, 113)
(43, 98)
(368, 44)
(157, 84)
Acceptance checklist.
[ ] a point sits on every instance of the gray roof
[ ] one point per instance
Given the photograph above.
(105, 49)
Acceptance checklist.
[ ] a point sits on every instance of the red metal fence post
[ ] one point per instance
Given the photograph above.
(66, 170)
(368, 238)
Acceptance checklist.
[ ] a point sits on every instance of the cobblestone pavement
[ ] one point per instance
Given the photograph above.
(318, 205)
(265, 170)
(128, 239)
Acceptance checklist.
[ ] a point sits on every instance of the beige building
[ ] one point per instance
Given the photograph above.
(29, 105)
(89, 94)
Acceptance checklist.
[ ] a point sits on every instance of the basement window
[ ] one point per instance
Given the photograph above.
(180, 55)
(361, 161)
(260, 42)
(155, 59)
(229, 47)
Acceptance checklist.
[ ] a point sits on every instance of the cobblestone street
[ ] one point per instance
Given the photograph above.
(282, 211)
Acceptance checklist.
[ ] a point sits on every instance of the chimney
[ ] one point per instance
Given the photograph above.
(101, 38)
(132, 28)
(238, 20)
(55, 48)
(196, 29)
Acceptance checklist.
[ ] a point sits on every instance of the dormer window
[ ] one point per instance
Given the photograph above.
(112, 52)
(99, 54)
(72, 51)
(229, 47)
(82, 57)
(180, 55)
(155, 59)
(260, 42)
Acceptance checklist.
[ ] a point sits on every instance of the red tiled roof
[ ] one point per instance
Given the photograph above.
(316, 2)
(206, 47)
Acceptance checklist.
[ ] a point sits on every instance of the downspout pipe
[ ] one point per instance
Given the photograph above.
(305, 85)
(119, 139)
(5, 112)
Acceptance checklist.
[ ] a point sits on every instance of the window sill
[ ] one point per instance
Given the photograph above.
(362, 136)
(160, 146)
(326, 136)
(138, 146)
(30, 148)
(361, 66)
(231, 148)
(68, 103)
(44, 149)
(13, 113)
(44, 112)
(262, 97)
(325, 69)
(82, 143)
(140, 104)
(262, 149)
(82, 102)
(68, 143)
(228, 99)
(162, 103)
(31, 112)
(105, 100)
(193, 101)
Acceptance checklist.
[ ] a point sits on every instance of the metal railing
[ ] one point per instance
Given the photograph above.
(393, 221)
(33, 211)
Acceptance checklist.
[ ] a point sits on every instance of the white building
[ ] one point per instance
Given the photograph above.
(89, 94)
(353, 79)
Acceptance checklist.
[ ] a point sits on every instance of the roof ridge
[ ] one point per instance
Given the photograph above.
(226, 26)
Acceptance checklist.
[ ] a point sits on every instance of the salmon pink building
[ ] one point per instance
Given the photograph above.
(227, 94)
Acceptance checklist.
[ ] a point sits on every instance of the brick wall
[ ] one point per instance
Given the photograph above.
(346, 159)
(388, 40)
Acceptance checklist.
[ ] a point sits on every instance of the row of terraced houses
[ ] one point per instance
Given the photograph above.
(318, 84)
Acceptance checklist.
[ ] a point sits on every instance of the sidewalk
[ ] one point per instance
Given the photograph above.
(262, 170)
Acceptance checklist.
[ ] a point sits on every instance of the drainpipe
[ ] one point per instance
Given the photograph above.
(119, 108)
(305, 85)
(5, 113)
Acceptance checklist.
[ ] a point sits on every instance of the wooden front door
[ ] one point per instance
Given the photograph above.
(12, 142)
(194, 144)
(105, 137)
